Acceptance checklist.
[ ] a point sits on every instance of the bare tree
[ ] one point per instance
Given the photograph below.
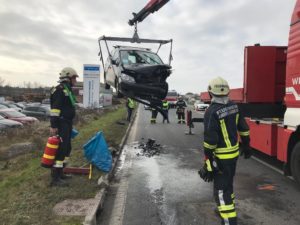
(37, 85)
(2, 81)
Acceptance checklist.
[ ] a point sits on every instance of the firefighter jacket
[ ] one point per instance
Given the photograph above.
(62, 103)
(222, 124)
(180, 105)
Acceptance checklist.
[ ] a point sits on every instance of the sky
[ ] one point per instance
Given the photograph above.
(39, 38)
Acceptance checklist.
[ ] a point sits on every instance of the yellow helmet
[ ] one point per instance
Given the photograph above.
(218, 86)
(67, 72)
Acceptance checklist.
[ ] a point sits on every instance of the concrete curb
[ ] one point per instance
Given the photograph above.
(91, 217)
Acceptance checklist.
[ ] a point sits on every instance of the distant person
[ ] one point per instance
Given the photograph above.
(153, 115)
(165, 109)
(222, 123)
(180, 109)
(62, 103)
(130, 105)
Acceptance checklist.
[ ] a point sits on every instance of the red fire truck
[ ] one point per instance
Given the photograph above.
(172, 98)
(270, 98)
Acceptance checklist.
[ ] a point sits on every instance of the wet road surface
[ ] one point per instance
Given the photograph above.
(166, 190)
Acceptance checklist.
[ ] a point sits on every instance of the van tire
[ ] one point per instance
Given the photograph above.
(295, 162)
(118, 93)
(107, 86)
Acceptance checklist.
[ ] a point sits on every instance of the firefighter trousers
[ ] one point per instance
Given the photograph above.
(223, 191)
(153, 116)
(165, 115)
(64, 149)
(181, 117)
(129, 113)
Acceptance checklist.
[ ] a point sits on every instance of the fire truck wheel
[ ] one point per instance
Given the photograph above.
(295, 162)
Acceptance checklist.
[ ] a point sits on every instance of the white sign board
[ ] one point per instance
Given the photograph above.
(91, 85)
(105, 99)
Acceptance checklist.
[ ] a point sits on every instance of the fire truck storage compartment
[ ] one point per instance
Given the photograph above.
(283, 136)
(264, 74)
(263, 136)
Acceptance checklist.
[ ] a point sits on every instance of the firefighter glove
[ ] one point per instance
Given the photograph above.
(246, 151)
(208, 170)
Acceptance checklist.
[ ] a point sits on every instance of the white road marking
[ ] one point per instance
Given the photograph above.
(271, 167)
(118, 211)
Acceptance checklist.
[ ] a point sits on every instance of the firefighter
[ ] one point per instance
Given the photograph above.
(153, 115)
(180, 109)
(62, 113)
(222, 124)
(165, 108)
(130, 105)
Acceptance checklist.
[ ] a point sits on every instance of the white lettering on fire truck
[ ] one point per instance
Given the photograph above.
(296, 80)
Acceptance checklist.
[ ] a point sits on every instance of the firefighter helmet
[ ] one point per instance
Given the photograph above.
(180, 97)
(218, 86)
(67, 72)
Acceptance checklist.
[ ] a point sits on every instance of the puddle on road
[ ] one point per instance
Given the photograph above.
(121, 160)
(155, 185)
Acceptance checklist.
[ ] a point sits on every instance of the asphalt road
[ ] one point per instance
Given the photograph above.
(166, 189)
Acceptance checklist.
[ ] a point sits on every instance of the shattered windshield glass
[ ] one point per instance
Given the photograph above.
(129, 57)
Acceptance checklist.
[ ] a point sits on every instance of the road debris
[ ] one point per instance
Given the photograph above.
(149, 149)
(266, 187)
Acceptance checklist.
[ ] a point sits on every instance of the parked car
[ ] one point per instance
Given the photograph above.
(21, 106)
(3, 106)
(11, 105)
(33, 104)
(6, 123)
(2, 128)
(46, 101)
(17, 116)
(200, 106)
(136, 72)
(41, 111)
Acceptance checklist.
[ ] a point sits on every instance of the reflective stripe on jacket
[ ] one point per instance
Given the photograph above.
(131, 103)
(62, 104)
(222, 123)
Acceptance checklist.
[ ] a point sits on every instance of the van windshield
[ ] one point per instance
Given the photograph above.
(129, 57)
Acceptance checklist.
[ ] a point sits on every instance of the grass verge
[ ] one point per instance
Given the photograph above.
(25, 195)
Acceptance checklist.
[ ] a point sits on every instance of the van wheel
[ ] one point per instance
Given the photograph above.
(295, 162)
(107, 86)
(118, 93)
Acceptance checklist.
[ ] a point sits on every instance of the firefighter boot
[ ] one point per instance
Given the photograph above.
(56, 180)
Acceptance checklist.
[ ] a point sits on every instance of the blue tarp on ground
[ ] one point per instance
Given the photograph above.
(74, 133)
(97, 152)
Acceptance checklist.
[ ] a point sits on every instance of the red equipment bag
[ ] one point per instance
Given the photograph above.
(50, 152)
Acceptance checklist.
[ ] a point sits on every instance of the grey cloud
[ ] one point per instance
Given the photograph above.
(209, 35)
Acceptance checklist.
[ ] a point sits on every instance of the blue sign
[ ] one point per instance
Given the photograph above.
(92, 68)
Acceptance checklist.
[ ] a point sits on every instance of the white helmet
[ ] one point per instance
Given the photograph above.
(218, 86)
(67, 72)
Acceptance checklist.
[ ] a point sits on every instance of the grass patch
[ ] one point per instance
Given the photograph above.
(25, 195)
